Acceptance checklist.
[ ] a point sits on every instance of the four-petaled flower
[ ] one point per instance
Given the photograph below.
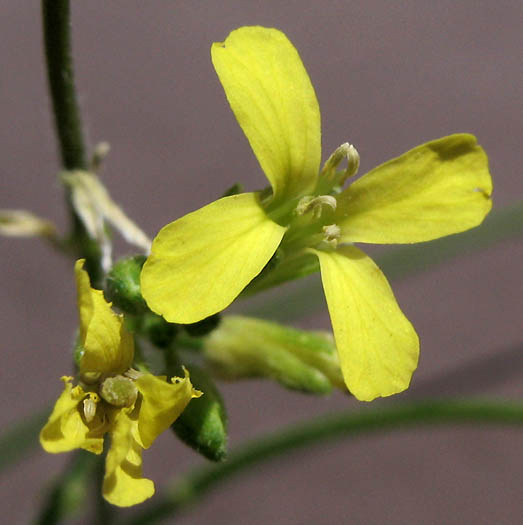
(200, 263)
(111, 397)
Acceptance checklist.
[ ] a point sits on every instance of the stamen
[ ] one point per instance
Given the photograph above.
(90, 403)
(332, 234)
(133, 374)
(315, 205)
(329, 176)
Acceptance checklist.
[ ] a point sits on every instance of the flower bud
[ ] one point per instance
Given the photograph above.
(246, 347)
(203, 423)
(123, 285)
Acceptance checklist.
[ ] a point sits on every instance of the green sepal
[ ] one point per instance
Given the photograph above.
(78, 350)
(203, 327)
(203, 424)
(123, 285)
(235, 189)
(157, 330)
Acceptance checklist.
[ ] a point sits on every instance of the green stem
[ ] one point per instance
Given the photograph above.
(68, 493)
(57, 42)
(21, 438)
(104, 512)
(350, 424)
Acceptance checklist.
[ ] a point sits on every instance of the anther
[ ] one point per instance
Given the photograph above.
(315, 205)
(329, 174)
(332, 234)
(90, 406)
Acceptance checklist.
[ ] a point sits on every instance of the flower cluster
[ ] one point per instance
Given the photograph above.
(200, 263)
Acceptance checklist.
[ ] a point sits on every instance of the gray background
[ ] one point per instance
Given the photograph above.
(388, 75)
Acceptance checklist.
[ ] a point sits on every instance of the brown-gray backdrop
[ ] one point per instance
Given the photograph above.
(388, 75)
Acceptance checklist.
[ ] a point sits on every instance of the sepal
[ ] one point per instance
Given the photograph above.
(203, 424)
(123, 285)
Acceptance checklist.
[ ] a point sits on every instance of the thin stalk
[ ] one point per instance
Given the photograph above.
(73, 152)
(21, 438)
(347, 424)
(60, 74)
(68, 493)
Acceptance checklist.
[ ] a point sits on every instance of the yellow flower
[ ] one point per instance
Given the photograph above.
(201, 262)
(111, 397)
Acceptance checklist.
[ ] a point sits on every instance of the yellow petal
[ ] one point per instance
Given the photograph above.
(123, 483)
(201, 262)
(436, 189)
(162, 403)
(66, 429)
(108, 346)
(377, 345)
(274, 102)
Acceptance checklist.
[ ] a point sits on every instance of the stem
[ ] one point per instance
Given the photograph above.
(104, 512)
(22, 438)
(193, 487)
(57, 42)
(68, 493)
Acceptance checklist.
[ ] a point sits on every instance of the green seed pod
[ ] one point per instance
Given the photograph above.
(123, 285)
(203, 424)
(298, 359)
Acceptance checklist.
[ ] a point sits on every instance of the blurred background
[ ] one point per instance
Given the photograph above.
(388, 76)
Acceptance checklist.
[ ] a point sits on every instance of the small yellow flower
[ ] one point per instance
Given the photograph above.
(201, 262)
(111, 397)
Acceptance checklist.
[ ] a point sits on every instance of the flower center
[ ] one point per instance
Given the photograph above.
(119, 391)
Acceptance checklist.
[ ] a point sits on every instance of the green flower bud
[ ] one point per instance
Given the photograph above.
(203, 424)
(246, 347)
(123, 285)
(203, 327)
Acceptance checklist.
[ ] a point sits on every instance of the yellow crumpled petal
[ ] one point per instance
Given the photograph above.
(274, 102)
(108, 346)
(201, 262)
(124, 484)
(377, 345)
(162, 403)
(66, 429)
(436, 189)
